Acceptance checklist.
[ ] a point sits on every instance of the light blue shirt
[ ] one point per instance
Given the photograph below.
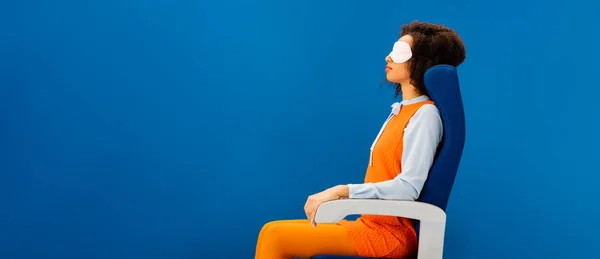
(422, 135)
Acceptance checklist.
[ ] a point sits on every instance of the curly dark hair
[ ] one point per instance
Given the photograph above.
(433, 44)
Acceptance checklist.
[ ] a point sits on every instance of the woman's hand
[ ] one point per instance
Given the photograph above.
(314, 201)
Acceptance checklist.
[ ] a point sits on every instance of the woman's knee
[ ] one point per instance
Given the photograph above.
(269, 225)
(272, 240)
(277, 237)
(278, 222)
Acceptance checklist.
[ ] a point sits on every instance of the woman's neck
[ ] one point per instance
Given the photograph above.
(409, 92)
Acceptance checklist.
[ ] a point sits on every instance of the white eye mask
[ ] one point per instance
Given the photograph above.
(401, 52)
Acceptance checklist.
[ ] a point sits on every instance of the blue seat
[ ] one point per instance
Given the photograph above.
(428, 211)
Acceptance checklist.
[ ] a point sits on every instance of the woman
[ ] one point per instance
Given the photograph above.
(400, 159)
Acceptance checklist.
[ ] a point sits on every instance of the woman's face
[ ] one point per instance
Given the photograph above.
(397, 70)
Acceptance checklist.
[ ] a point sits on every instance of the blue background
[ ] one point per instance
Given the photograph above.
(175, 129)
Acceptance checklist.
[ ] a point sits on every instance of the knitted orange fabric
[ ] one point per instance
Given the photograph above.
(386, 236)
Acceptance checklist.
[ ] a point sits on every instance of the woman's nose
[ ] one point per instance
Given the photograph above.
(388, 59)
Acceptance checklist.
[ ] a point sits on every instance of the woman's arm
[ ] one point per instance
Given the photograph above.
(421, 139)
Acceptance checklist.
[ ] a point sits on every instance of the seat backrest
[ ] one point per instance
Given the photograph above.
(441, 82)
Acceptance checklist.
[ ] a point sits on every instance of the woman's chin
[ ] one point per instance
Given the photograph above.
(392, 78)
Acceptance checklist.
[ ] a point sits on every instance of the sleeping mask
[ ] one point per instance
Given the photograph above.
(401, 52)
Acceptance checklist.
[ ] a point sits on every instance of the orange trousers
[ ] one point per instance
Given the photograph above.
(287, 239)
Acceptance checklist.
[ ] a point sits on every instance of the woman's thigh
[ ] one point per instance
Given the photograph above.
(298, 238)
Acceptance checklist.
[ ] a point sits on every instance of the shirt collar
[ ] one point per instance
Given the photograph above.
(396, 106)
(421, 98)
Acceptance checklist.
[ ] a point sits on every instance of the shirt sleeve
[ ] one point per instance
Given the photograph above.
(421, 138)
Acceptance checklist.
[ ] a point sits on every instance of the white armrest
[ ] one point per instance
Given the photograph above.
(432, 219)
